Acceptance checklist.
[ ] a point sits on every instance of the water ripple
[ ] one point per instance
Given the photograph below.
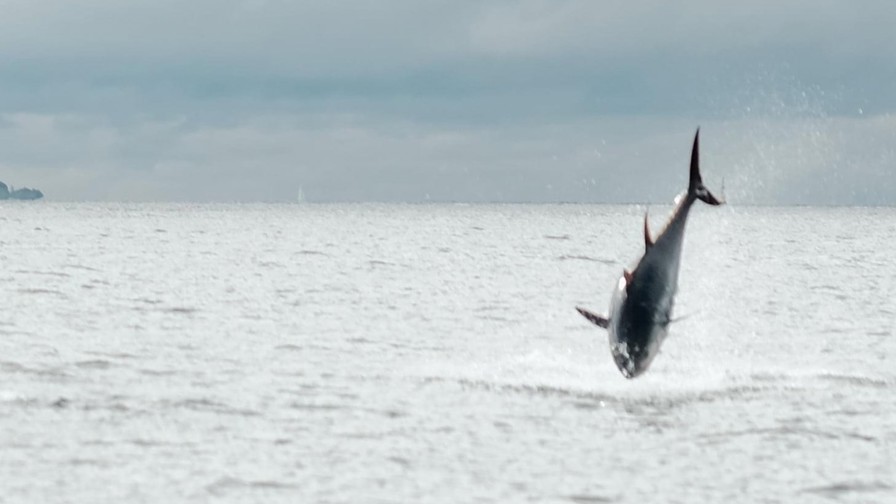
(838, 489)
(38, 290)
(94, 364)
(228, 483)
(210, 406)
(588, 499)
(787, 431)
(585, 258)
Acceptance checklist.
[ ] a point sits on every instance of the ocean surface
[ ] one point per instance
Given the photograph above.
(432, 353)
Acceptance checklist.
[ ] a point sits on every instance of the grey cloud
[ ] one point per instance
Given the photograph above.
(506, 101)
(615, 159)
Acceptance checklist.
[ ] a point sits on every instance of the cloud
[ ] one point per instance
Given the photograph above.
(301, 51)
(565, 100)
(607, 159)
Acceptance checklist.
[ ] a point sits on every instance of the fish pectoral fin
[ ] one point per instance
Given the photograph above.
(595, 319)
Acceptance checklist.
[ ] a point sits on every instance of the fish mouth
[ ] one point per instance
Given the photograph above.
(628, 368)
(629, 363)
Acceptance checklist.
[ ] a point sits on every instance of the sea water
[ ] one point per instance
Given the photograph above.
(432, 353)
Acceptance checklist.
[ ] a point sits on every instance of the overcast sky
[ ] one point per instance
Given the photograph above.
(410, 100)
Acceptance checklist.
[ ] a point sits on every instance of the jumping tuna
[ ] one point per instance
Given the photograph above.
(641, 307)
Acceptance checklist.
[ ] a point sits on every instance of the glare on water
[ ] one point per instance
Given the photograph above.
(408, 353)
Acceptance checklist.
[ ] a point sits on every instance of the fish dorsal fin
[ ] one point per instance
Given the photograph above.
(594, 318)
(648, 241)
(628, 277)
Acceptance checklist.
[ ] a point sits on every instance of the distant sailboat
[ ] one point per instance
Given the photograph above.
(300, 198)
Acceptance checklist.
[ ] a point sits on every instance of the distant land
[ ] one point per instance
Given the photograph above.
(24, 193)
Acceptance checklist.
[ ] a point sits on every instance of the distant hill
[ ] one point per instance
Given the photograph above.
(24, 193)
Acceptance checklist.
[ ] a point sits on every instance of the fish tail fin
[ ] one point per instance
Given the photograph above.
(696, 189)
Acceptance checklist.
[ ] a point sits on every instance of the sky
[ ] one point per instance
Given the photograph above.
(413, 101)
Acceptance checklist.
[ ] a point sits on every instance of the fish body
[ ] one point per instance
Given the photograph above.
(642, 301)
